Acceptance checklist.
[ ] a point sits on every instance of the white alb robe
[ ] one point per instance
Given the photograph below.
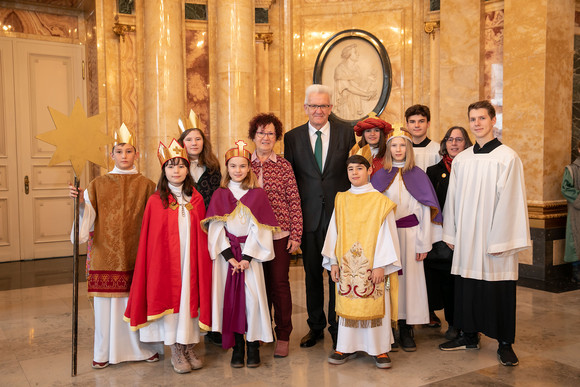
(114, 341)
(486, 212)
(177, 327)
(413, 305)
(377, 340)
(260, 246)
(427, 156)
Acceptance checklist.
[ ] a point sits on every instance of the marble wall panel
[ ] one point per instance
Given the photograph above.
(576, 99)
(39, 23)
(197, 74)
(129, 79)
(92, 65)
(493, 64)
(461, 61)
(59, 3)
(314, 25)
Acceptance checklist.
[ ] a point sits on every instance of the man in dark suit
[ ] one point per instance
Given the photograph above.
(318, 151)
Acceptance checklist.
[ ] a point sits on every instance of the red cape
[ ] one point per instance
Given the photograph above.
(156, 288)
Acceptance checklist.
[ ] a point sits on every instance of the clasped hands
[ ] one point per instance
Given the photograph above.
(238, 267)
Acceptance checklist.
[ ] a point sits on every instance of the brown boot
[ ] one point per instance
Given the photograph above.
(194, 361)
(178, 360)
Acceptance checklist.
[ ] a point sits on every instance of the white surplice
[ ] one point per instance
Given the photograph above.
(413, 305)
(114, 341)
(259, 245)
(486, 212)
(178, 327)
(427, 156)
(377, 340)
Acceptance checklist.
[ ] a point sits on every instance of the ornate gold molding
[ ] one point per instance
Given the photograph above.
(430, 27)
(547, 214)
(264, 3)
(266, 37)
(121, 29)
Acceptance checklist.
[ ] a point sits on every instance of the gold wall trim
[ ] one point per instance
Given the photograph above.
(431, 26)
(266, 37)
(550, 214)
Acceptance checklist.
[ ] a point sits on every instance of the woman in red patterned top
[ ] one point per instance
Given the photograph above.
(275, 175)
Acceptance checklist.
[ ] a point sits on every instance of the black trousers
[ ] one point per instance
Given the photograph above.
(312, 243)
(488, 307)
(440, 288)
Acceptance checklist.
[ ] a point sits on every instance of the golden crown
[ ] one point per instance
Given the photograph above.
(239, 151)
(365, 152)
(399, 132)
(190, 122)
(124, 136)
(175, 150)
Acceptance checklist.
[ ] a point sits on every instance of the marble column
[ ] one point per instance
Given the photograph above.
(461, 60)
(163, 78)
(235, 71)
(538, 67)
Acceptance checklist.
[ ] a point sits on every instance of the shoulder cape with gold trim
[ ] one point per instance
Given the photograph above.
(223, 204)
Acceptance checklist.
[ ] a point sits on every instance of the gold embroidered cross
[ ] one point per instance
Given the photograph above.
(177, 149)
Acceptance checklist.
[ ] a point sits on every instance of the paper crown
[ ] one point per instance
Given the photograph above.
(365, 152)
(400, 132)
(372, 121)
(175, 150)
(190, 122)
(124, 136)
(239, 151)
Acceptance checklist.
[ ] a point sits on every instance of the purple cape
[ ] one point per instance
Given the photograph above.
(224, 203)
(418, 185)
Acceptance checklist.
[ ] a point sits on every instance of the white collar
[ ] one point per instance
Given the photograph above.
(324, 130)
(362, 189)
(118, 171)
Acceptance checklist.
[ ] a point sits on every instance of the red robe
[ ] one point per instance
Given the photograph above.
(156, 288)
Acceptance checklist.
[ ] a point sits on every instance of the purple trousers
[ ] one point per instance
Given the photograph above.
(278, 289)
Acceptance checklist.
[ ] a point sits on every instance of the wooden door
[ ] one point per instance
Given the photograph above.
(9, 224)
(45, 74)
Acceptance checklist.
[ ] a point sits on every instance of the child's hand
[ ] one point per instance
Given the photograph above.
(334, 272)
(421, 256)
(244, 265)
(235, 265)
(378, 275)
(73, 193)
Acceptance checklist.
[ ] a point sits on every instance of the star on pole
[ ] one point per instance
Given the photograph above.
(77, 138)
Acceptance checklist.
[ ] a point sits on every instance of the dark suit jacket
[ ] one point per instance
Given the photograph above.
(317, 190)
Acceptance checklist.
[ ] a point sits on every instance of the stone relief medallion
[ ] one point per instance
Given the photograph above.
(355, 64)
(355, 275)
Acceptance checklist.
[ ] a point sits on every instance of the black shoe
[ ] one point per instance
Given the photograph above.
(253, 354)
(238, 352)
(452, 333)
(506, 355)
(340, 358)
(311, 338)
(214, 338)
(406, 337)
(383, 361)
(434, 321)
(463, 341)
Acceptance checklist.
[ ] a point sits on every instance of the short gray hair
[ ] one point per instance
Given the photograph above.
(316, 88)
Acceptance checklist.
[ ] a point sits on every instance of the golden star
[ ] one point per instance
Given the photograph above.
(77, 138)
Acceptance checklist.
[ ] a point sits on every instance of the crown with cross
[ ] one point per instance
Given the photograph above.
(174, 150)
(238, 151)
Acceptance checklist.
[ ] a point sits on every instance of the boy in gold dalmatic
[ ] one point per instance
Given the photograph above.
(113, 206)
(361, 248)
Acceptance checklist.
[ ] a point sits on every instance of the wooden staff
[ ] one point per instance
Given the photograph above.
(75, 312)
